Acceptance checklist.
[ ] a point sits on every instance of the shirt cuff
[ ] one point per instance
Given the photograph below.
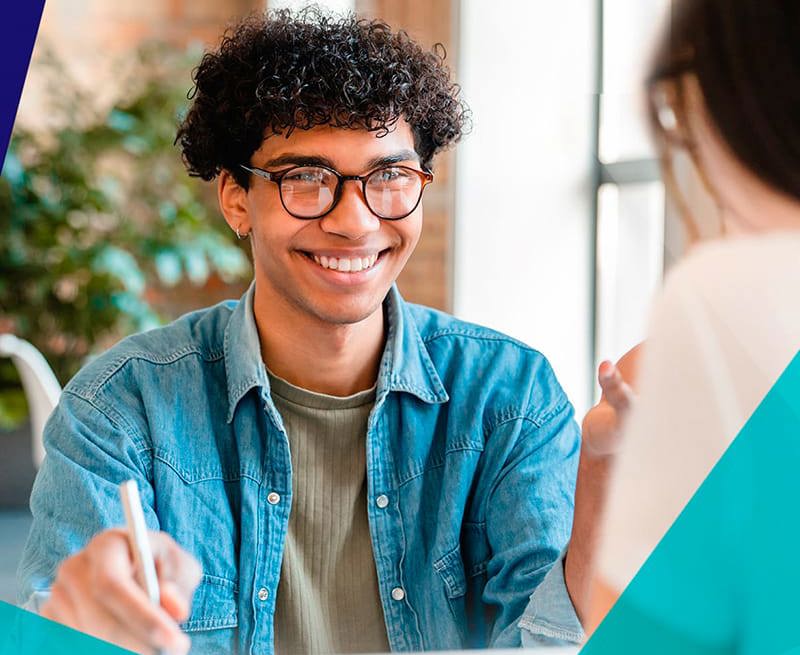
(550, 618)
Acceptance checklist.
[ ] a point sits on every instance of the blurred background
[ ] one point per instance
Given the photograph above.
(548, 222)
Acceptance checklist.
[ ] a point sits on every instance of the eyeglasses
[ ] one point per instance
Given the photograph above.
(308, 192)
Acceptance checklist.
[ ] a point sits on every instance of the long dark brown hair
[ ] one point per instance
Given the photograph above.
(745, 55)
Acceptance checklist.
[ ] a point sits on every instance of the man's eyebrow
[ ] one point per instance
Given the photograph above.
(395, 158)
(293, 159)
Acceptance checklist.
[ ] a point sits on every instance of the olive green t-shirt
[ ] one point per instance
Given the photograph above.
(328, 599)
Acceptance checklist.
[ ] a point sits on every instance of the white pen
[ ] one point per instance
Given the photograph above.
(143, 562)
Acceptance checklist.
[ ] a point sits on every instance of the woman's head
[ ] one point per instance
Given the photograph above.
(723, 86)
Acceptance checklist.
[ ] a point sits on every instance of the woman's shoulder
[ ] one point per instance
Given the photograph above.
(729, 319)
(751, 261)
(738, 281)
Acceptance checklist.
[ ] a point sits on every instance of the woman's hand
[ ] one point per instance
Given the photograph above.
(602, 430)
(603, 423)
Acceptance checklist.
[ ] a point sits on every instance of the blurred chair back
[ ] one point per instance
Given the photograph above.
(41, 387)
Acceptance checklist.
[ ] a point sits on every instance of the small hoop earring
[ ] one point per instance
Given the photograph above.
(239, 236)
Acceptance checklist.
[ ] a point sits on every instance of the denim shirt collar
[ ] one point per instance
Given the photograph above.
(244, 366)
(405, 365)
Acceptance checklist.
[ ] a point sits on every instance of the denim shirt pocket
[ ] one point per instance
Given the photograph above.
(213, 622)
(214, 605)
(451, 569)
(200, 511)
(462, 584)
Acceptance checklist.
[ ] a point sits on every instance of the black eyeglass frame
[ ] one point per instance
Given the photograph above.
(277, 177)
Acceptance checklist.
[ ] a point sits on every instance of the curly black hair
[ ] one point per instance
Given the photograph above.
(281, 71)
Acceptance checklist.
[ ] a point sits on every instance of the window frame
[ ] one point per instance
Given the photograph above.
(620, 173)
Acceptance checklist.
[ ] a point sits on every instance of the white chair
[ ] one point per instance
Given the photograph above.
(41, 387)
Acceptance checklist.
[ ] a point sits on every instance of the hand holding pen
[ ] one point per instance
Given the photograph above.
(102, 591)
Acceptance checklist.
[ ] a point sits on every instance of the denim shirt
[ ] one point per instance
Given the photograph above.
(472, 455)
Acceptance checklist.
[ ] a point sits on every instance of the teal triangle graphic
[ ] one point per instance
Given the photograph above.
(726, 576)
(26, 633)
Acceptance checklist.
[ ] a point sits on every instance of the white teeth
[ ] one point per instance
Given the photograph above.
(347, 265)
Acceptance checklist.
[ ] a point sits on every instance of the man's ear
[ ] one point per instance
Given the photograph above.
(233, 203)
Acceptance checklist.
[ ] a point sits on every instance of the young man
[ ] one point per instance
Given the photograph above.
(337, 470)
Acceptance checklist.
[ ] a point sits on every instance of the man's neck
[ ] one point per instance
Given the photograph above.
(338, 360)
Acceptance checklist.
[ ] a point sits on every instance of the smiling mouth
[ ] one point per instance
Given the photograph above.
(346, 264)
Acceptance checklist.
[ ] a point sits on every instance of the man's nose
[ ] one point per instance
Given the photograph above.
(351, 218)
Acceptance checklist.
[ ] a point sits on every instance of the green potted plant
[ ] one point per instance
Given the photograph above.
(98, 217)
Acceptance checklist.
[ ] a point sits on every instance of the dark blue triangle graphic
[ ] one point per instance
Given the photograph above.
(19, 24)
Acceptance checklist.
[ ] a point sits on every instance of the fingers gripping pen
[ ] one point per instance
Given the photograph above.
(144, 564)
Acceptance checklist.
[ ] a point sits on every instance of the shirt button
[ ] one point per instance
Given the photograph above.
(398, 593)
(273, 498)
(382, 501)
(263, 594)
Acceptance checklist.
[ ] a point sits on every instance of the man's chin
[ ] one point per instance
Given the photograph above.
(345, 313)
(345, 318)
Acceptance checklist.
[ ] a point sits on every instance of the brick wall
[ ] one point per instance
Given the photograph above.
(428, 277)
(121, 25)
